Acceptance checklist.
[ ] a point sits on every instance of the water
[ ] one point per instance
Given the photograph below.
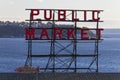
(13, 52)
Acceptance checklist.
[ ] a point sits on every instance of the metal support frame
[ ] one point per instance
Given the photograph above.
(65, 62)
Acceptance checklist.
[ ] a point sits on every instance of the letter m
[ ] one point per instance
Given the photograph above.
(30, 33)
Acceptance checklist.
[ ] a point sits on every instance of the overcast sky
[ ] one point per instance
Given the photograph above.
(14, 10)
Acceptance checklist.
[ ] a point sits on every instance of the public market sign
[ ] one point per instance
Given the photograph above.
(63, 15)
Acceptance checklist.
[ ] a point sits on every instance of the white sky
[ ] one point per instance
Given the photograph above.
(14, 10)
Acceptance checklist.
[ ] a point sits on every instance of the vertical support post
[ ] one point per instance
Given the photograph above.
(53, 41)
(97, 43)
(29, 58)
(75, 43)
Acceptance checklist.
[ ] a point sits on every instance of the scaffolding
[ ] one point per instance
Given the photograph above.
(66, 55)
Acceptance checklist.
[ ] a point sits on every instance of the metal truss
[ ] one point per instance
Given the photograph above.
(64, 56)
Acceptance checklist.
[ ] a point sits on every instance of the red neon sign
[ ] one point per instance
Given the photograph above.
(62, 15)
(58, 34)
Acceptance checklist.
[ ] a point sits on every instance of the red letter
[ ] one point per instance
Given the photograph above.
(45, 15)
(61, 15)
(34, 12)
(73, 17)
(44, 33)
(93, 15)
(84, 34)
(71, 32)
(85, 16)
(30, 33)
(56, 33)
(99, 33)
